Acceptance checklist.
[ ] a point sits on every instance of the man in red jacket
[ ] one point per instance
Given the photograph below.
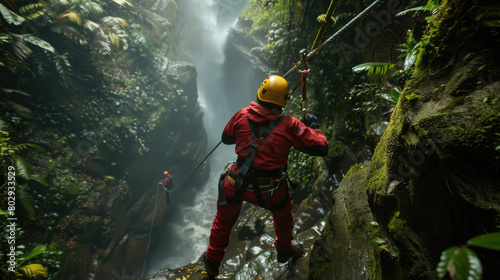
(263, 141)
(167, 184)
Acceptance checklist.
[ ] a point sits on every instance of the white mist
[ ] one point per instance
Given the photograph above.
(206, 26)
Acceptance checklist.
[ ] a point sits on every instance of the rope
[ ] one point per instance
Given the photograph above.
(303, 101)
(192, 171)
(150, 232)
(325, 22)
(313, 53)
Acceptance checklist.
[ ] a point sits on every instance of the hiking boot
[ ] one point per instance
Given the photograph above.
(295, 252)
(212, 269)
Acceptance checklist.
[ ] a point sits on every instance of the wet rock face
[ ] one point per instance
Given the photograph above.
(433, 180)
(345, 249)
(112, 217)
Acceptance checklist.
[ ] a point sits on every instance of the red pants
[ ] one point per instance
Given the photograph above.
(226, 217)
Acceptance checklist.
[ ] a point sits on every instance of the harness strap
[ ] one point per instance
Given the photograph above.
(243, 179)
(252, 180)
(222, 195)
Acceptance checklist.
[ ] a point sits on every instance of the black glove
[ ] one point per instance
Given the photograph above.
(310, 120)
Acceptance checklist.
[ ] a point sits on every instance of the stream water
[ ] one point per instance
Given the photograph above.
(205, 30)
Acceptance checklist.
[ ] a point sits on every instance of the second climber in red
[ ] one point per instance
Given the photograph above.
(167, 184)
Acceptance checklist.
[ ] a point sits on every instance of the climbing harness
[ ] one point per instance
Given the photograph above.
(249, 178)
(150, 233)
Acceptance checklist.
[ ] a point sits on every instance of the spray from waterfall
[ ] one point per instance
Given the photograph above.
(185, 237)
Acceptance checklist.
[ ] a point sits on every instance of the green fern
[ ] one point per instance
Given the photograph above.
(70, 32)
(33, 11)
(35, 41)
(123, 3)
(23, 168)
(93, 9)
(5, 126)
(40, 249)
(26, 200)
(416, 11)
(373, 68)
(10, 16)
(34, 272)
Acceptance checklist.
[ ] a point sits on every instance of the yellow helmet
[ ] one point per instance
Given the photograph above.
(165, 172)
(274, 89)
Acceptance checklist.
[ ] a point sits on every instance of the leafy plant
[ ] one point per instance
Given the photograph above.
(373, 68)
(461, 262)
(430, 9)
(33, 272)
(10, 154)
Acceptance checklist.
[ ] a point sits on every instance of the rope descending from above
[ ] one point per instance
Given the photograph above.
(150, 233)
(315, 51)
(326, 21)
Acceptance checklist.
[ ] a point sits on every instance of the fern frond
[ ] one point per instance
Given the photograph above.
(19, 109)
(40, 178)
(33, 11)
(71, 33)
(93, 8)
(26, 201)
(115, 21)
(90, 25)
(373, 68)
(123, 3)
(20, 49)
(40, 249)
(415, 10)
(34, 272)
(12, 90)
(115, 40)
(22, 167)
(24, 146)
(5, 126)
(71, 16)
(35, 41)
(10, 16)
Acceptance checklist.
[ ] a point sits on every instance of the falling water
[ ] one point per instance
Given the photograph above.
(206, 28)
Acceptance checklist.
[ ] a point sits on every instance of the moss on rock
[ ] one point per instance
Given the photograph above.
(432, 177)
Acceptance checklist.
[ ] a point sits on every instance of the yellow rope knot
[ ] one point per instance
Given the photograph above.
(322, 19)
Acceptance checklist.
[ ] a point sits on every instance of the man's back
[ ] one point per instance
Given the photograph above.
(273, 151)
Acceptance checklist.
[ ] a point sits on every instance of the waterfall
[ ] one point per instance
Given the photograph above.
(205, 31)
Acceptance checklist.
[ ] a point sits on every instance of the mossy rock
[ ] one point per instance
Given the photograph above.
(345, 247)
(336, 151)
(90, 227)
(433, 180)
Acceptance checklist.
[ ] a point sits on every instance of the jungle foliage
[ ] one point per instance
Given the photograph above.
(62, 63)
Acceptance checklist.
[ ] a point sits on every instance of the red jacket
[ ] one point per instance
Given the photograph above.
(167, 180)
(273, 151)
